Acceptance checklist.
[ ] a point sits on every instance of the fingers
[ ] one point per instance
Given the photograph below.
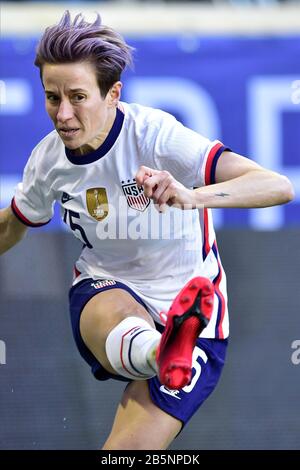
(166, 199)
(143, 173)
(159, 193)
(150, 185)
(161, 188)
(158, 185)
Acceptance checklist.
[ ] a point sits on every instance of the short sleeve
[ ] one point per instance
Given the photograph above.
(190, 157)
(33, 202)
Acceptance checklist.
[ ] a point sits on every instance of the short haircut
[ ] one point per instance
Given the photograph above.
(78, 41)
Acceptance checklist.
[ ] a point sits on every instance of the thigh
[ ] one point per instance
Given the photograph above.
(139, 424)
(101, 314)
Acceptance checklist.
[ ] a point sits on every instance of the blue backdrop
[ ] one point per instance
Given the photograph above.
(243, 91)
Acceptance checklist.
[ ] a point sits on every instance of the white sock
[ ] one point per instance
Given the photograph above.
(130, 348)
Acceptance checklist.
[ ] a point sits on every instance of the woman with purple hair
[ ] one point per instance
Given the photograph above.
(136, 187)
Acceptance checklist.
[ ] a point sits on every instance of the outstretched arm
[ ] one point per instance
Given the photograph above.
(240, 183)
(11, 230)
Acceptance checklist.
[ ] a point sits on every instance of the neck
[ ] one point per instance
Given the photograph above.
(99, 139)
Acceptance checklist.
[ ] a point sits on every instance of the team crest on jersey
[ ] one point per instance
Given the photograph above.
(97, 203)
(135, 196)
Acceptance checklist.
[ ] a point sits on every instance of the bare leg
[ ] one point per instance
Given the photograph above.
(139, 424)
(101, 314)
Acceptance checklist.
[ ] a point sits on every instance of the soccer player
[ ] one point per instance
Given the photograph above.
(148, 302)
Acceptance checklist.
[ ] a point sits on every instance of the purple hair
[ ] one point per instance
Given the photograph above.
(80, 41)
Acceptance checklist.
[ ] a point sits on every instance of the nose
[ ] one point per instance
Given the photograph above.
(65, 111)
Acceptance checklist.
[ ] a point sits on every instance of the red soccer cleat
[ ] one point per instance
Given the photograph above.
(189, 314)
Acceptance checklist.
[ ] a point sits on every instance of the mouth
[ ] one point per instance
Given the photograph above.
(68, 131)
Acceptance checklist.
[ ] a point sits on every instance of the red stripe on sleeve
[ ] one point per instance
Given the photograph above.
(22, 217)
(209, 162)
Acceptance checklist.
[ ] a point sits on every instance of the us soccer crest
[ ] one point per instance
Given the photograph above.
(135, 196)
(97, 203)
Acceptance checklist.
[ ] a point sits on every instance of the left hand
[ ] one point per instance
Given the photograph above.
(164, 189)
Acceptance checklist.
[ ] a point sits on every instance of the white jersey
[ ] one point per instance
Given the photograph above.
(125, 238)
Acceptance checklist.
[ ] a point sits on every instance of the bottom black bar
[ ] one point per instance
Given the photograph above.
(137, 459)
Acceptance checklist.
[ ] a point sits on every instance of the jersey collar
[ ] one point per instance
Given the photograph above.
(104, 147)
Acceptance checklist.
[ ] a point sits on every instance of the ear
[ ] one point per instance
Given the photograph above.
(114, 94)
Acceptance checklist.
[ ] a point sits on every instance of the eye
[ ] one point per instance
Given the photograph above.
(77, 98)
(52, 98)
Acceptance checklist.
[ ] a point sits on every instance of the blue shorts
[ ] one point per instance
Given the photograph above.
(208, 359)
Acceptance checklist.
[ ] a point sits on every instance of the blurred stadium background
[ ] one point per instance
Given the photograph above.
(230, 70)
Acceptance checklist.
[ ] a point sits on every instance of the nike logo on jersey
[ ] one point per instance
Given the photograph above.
(66, 198)
(173, 393)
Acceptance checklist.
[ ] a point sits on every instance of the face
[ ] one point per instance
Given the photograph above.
(75, 105)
